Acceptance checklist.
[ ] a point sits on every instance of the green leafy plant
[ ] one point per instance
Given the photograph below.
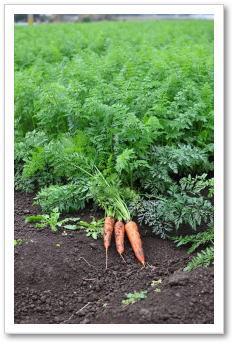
(203, 239)
(153, 213)
(112, 98)
(196, 240)
(167, 161)
(22, 152)
(156, 282)
(18, 242)
(203, 259)
(188, 202)
(93, 229)
(67, 198)
(157, 290)
(107, 195)
(127, 109)
(134, 297)
(126, 162)
(51, 220)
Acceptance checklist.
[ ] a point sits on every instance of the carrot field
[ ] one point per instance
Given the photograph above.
(114, 119)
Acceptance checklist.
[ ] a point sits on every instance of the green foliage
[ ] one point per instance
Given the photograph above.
(132, 99)
(157, 290)
(126, 162)
(18, 242)
(154, 283)
(203, 259)
(51, 220)
(22, 151)
(107, 195)
(196, 240)
(134, 297)
(186, 203)
(93, 229)
(36, 163)
(67, 198)
(153, 213)
(168, 161)
(54, 108)
(130, 83)
(55, 162)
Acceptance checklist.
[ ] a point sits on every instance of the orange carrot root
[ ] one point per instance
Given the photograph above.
(119, 232)
(132, 232)
(108, 230)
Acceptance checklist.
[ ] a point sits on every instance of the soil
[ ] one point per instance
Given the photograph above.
(68, 284)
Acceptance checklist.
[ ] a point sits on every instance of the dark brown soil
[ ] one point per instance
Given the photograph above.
(69, 284)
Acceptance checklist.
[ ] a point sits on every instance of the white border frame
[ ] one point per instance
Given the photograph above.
(218, 326)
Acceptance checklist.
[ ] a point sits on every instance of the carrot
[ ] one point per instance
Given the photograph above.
(108, 230)
(119, 232)
(135, 240)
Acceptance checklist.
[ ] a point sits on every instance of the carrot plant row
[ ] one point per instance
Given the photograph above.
(119, 114)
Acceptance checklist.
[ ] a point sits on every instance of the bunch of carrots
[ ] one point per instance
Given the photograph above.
(119, 229)
(108, 197)
(106, 194)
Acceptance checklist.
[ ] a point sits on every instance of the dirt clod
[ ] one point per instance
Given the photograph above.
(178, 278)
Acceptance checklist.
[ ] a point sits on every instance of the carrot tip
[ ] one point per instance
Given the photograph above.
(122, 258)
(106, 258)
